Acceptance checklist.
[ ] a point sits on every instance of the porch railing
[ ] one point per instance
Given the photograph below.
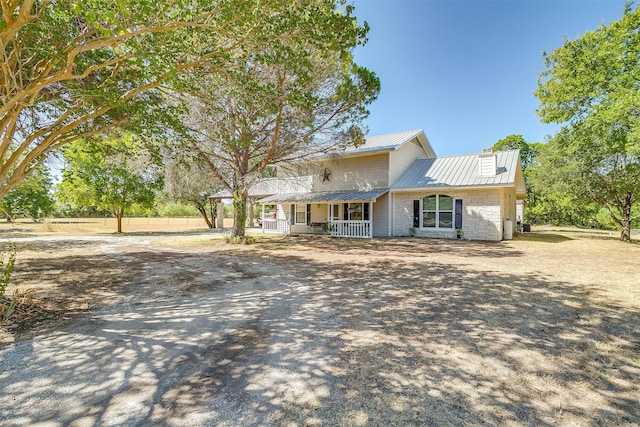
(280, 226)
(359, 229)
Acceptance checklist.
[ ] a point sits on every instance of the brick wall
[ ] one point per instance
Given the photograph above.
(481, 215)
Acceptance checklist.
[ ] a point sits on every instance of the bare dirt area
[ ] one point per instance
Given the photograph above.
(182, 329)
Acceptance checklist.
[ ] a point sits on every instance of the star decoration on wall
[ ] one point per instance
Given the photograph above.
(326, 175)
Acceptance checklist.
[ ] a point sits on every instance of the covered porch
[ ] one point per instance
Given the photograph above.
(337, 213)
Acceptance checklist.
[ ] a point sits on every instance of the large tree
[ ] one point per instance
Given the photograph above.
(528, 151)
(304, 98)
(551, 198)
(111, 175)
(191, 183)
(32, 197)
(590, 86)
(528, 154)
(76, 68)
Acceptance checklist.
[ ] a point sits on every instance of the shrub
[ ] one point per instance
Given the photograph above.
(246, 240)
(7, 261)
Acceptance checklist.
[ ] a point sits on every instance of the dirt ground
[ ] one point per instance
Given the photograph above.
(540, 330)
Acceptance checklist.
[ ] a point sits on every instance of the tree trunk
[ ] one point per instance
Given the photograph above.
(203, 212)
(119, 216)
(239, 214)
(625, 220)
(9, 217)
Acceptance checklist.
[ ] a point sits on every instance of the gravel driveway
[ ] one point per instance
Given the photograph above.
(199, 340)
(183, 330)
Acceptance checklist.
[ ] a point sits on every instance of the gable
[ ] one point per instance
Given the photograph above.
(389, 143)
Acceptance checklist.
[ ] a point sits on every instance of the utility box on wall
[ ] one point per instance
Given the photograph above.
(508, 230)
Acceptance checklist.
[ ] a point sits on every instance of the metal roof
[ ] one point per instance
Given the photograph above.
(382, 144)
(264, 187)
(460, 171)
(388, 142)
(325, 196)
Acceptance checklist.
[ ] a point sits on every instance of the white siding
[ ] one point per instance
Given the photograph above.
(520, 211)
(509, 208)
(381, 216)
(481, 215)
(357, 173)
(401, 159)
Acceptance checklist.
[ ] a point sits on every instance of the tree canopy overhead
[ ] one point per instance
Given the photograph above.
(591, 86)
(73, 69)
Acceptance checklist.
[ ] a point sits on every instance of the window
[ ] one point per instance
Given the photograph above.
(335, 212)
(356, 211)
(437, 211)
(301, 213)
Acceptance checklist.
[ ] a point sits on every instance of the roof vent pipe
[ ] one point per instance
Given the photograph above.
(488, 163)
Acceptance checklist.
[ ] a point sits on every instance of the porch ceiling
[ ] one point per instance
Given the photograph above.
(326, 196)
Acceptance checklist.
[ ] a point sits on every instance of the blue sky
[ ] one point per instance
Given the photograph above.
(465, 71)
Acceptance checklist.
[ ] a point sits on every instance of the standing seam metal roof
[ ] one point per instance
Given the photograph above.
(458, 171)
(326, 196)
(383, 142)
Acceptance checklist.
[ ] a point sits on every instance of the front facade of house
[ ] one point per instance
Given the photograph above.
(394, 185)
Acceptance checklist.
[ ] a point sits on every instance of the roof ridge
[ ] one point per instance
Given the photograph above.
(394, 133)
(471, 154)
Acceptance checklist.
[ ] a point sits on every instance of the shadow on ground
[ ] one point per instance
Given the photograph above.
(260, 337)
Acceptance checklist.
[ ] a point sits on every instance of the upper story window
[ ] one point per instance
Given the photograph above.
(437, 211)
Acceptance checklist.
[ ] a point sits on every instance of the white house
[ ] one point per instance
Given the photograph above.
(394, 185)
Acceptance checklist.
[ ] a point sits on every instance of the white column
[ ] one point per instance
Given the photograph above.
(220, 209)
(370, 220)
(250, 214)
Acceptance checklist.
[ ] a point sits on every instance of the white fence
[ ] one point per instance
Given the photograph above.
(280, 226)
(359, 229)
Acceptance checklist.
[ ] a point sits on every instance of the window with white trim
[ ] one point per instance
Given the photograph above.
(335, 212)
(301, 213)
(437, 211)
(356, 211)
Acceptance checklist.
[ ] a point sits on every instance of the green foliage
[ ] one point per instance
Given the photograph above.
(77, 69)
(111, 174)
(7, 262)
(604, 220)
(327, 228)
(558, 208)
(590, 87)
(296, 97)
(528, 152)
(30, 198)
(240, 240)
(189, 183)
(227, 211)
(176, 209)
(69, 210)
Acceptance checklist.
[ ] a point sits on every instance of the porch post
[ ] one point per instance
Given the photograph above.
(220, 208)
(370, 220)
(250, 214)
